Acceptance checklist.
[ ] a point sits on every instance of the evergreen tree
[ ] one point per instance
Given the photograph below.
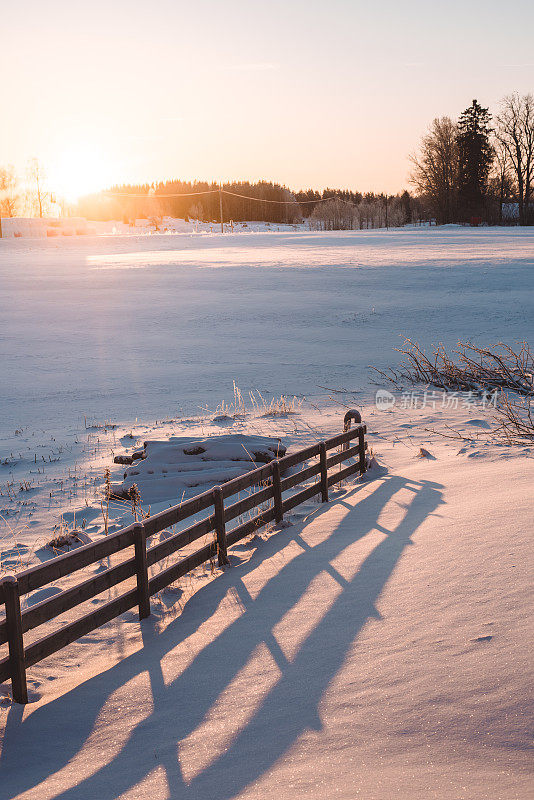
(475, 156)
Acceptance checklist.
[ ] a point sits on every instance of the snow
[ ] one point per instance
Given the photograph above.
(346, 655)
(35, 228)
(375, 647)
(172, 467)
(112, 340)
(150, 327)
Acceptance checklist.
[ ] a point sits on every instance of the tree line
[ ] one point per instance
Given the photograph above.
(479, 168)
(331, 209)
(470, 170)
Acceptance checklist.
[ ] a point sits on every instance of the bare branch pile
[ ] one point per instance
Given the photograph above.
(475, 369)
(515, 420)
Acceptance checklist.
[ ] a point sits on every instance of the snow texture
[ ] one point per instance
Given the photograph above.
(170, 468)
(375, 647)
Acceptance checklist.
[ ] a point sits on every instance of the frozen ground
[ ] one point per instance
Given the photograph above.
(35, 228)
(148, 327)
(377, 647)
(135, 330)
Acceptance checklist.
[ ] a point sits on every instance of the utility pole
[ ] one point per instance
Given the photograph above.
(387, 226)
(220, 208)
(0, 226)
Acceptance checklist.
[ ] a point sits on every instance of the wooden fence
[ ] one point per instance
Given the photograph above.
(272, 486)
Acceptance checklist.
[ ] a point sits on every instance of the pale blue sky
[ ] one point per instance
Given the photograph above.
(307, 93)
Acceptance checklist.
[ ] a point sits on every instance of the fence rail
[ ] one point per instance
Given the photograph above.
(272, 486)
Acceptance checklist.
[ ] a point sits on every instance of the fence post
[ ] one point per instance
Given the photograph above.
(220, 527)
(361, 444)
(324, 472)
(277, 491)
(141, 570)
(14, 638)
(351, 415)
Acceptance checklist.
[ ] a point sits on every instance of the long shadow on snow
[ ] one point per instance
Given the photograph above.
(288, 710)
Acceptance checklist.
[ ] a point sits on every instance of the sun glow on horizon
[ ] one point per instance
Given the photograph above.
(79, 169)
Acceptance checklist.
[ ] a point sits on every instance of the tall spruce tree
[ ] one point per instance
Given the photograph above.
(475, 156)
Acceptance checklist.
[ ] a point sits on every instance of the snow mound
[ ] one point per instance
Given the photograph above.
(169, 468)
(374, 469)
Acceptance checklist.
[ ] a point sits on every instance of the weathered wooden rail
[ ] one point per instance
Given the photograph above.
(272, 486)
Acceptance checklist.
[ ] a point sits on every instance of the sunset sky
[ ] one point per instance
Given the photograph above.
(307, 93)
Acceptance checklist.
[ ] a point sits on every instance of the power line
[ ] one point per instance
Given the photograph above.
(280, 202)
(159, 196)
(221, 191)
(225, 191)
(305, 202)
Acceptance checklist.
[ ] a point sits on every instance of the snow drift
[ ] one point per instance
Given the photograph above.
(167, 469)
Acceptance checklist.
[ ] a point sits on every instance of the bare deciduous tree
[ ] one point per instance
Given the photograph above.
(501, 176)
(8, 192)
(36, 179)
(334, 215)
(155, 210)
(337, 214)
(435, 168)
(515, 133)
(196, 212)
(292, 212)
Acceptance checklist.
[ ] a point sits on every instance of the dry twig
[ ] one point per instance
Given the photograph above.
(476, 368)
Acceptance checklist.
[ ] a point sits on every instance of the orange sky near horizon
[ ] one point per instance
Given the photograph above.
(309, 94)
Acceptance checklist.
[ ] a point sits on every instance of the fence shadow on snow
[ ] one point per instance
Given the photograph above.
(288, 709)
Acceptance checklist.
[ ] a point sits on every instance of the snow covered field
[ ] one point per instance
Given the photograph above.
(150, 328)
(35, 228)
(377, 647)
(146, 327)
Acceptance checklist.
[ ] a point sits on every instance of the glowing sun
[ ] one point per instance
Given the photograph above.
(79, 170)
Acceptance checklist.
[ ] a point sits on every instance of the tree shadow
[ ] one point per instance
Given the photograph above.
(290, 707)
